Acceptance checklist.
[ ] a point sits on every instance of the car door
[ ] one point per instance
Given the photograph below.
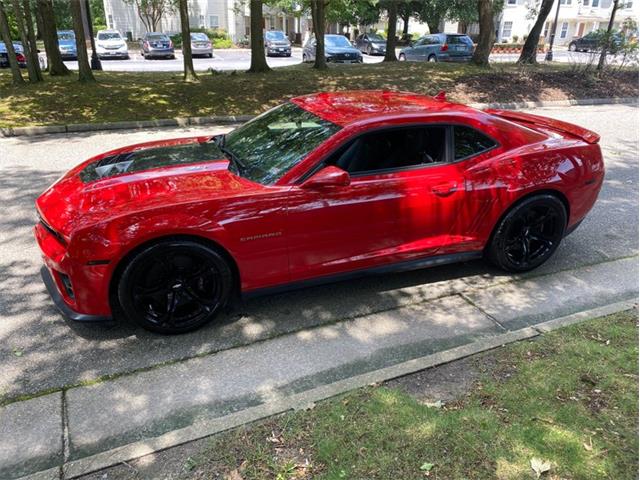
(418, 50)
(392, 210)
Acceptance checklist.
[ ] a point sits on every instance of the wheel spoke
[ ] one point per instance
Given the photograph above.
(172, 304)
(205, 303)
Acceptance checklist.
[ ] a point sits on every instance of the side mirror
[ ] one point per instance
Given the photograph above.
(328, 177)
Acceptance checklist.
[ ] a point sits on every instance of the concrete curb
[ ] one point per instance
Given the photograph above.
(229, 119)
(306, 399)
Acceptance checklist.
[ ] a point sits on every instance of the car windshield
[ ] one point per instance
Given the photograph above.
(66, 36)
(275, 35)
(336, 41)
(157, 38)
(271, 144)
(375, 38)
(201, 37)
(109, 36)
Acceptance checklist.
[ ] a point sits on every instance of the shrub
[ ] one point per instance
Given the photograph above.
(515, 38)
(222, 43)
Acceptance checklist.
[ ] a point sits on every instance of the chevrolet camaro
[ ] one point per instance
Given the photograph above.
(324, 187)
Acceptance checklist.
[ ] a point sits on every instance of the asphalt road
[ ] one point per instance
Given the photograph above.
(40, 350)
(240, 59)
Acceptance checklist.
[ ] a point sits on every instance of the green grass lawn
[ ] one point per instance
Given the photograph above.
(153, 95)
(569, 398)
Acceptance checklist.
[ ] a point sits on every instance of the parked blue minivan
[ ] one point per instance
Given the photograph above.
(439, 47)
(67, 45)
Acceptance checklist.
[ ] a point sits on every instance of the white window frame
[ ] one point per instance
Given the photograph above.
(510, 30)
(564, 29)
(217, 22)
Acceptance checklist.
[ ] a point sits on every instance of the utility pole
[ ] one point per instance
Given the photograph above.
(95, 61)
(549, 56)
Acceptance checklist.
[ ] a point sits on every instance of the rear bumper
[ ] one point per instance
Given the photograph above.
(62, 306)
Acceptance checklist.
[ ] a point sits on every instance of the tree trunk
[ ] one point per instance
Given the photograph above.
(50, 38)
(84, 69)
(434, 25)
(258, 59)
(319, 24)
(405, 25)
(33, 64)
(392, 13)
(530, 48)
(487, 33)
(189, 71)
(31, 37)
(5, 35)
(603, 54)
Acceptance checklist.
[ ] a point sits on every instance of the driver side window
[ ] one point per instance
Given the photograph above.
(392, 149)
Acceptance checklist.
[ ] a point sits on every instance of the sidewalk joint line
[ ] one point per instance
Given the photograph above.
(491, 317)
(65, 433)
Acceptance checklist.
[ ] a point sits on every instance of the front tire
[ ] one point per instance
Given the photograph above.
(529, 234)
(432, 58)
(402, 57)
(175, 286)
(572, 47)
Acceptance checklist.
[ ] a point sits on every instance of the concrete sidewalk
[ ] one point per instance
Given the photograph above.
(71, 432)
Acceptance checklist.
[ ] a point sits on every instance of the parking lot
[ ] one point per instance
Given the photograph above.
(240, 59)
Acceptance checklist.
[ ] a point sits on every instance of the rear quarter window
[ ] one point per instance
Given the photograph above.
(468, 141)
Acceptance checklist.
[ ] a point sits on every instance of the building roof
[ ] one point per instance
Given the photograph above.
(343, 108)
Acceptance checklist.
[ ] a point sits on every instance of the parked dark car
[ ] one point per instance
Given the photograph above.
(156, 45)
(439, 47)
(4, 56)
(337, 49)
(371, 44)
(276, 43)
(591, 42)
(67, 45)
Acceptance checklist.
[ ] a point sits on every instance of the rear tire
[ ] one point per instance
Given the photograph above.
(572, 47)
(432, 58)
(529, 234)
(402, 57)
(174, 286)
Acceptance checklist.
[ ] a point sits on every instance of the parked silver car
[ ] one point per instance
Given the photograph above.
(276, 43)
(156, 45)
(201, 45)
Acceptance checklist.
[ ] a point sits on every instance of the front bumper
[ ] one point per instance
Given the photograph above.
(80, 289)
(113, 54)
(279, 50)
(62, 306)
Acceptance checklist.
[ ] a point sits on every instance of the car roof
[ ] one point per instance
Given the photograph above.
(108, 31)
(344, 108)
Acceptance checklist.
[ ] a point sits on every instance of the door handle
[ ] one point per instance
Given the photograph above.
(445, 189)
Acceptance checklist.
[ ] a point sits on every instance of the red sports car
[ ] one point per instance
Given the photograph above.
(324, 187)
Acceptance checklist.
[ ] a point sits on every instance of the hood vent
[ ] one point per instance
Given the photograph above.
(150, 158)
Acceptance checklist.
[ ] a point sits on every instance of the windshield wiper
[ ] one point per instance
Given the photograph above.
(233, 158)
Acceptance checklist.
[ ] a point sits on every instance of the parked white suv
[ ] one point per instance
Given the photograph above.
(110, 44)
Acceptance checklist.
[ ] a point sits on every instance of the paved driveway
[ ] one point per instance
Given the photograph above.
(40, 350)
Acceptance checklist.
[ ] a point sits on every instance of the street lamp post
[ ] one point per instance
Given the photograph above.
(95, 60)
(549, 56)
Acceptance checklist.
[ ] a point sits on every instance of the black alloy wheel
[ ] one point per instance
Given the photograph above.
(529, 234)
(175, 286)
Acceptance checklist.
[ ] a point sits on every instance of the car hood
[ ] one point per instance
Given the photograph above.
(336, 50)
(111, 43)
(138, 178)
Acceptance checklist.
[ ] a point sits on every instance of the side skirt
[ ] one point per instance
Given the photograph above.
(381, 270)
